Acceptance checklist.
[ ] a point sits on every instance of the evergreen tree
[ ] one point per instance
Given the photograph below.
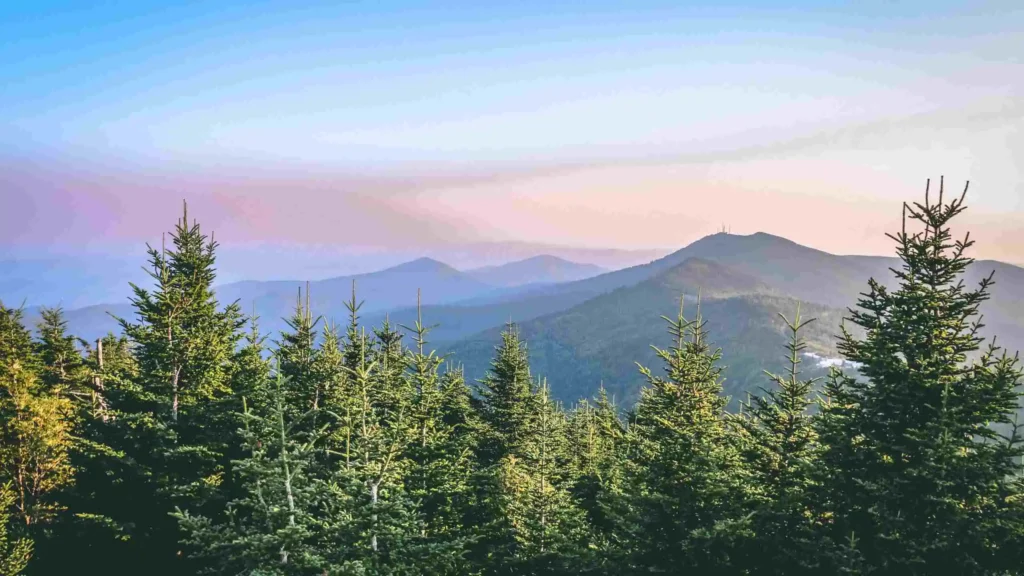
(95, 524)
(36, 427)
(270, 528)
(183, 340)
(63, 368)
(547, 525)
(391, 385)
(14, 554)
(528, 521)
(916, 470)
(370, 522)
(779, 444)
(80, 528)
(170, 421)
(250, 372)
(596, 441)
(355, 341)
(508, 402)
(298, 354)
(440, 450)
(682, 492)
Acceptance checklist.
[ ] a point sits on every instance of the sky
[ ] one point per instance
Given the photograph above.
(399, 125)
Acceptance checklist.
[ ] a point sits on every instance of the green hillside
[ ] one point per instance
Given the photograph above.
(601, 339)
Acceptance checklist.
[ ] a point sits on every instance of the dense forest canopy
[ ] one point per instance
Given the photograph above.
(194, 443)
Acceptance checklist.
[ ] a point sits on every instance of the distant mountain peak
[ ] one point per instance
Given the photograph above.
(421, 265)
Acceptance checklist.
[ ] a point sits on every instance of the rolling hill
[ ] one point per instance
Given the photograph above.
(600, 339)
(537, 270)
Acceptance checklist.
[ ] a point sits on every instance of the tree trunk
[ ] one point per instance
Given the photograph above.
(373, 503)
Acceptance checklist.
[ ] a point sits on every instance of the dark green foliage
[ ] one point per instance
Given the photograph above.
(779, 444)
(171, 422)
(597, 447)
(16, 349)
(63, 367)
(915, 467)
(530, 523)
(508, 401)
(297, 354)
(270, 528)
(188, 447)
(683, 494)
(14, 553)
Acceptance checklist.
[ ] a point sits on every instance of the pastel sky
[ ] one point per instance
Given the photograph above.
(635, 124)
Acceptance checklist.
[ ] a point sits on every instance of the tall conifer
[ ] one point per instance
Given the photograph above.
(779, 444)
(683, 490)
(183, 342)
(917, 470)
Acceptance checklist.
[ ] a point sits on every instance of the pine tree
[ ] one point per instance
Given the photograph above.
(440, 449)
(596, 442)
(355, 341)
(682, 491)
(183, 343)
(916, 469)
(35, 428)
(508, 403)
(250, 372)
(80, 528)
(528, 522)
(548, 526)
(370, 521)
(270, 528)
(95, 523)
(391, 385)
(14, 554)
(63, 368)
(506, 408)
(298, 354)
(780, 446)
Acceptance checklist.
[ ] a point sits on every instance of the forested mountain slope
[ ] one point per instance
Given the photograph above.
(601, 340)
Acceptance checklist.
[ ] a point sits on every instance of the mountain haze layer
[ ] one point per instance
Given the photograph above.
(592, 330)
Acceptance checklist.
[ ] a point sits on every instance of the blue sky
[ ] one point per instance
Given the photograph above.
(400, 81)
(447, 103)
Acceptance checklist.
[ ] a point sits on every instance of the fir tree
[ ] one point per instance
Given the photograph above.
(298, 355)
(63, 368)
(355, 341)
(528, 521)
(596, 441)
(391, 385)
(183, 343)
(36, 428)
(547, 525)
(371, 523)
(682, 491)
(507, 403)
(270, 528)
(917, 471)
(440, 450)
(780, 446)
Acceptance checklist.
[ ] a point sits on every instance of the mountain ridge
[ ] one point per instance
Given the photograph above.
(539, 270)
